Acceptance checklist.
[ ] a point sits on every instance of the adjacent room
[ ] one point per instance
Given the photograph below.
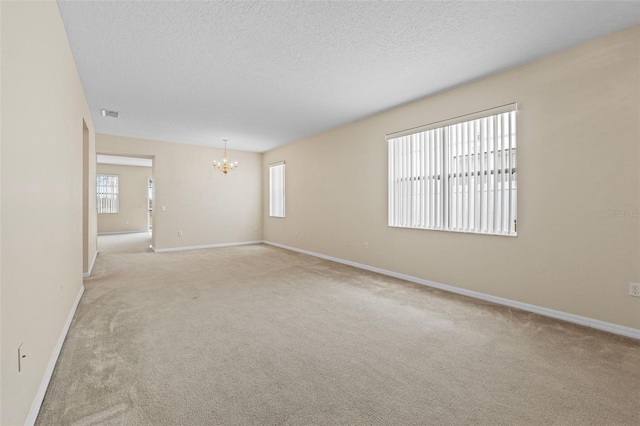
(124, 203)
(331, 213)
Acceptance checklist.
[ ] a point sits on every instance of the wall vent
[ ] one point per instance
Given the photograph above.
(108, 113)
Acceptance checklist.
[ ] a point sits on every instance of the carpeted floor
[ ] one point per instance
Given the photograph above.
(256, 335)
(137, 242)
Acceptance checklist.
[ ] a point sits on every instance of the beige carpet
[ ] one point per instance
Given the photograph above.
(257, 335)
(137, 242)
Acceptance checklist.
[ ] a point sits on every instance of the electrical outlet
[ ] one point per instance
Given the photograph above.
(366, 245)
(179, 233)
(634, 289)
(163, 208)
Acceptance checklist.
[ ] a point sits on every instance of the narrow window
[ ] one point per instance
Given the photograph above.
(107, 193)
(276, 190)
(458, 175)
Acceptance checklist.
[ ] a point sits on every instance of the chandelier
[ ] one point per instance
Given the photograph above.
(225, 166)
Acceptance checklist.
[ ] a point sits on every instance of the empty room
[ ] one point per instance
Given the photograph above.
(319, 213)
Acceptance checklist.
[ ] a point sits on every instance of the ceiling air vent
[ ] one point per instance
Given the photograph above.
(107, 113)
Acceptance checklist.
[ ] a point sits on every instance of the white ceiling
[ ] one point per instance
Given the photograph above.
(264, 74)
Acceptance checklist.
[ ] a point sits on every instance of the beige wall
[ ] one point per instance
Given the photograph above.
(133, 193)
(579, 155)
(1, 214)
(43, 107)
(89, 216)
(207, 206)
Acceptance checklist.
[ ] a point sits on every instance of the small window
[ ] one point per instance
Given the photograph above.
(107, 193)
(459, 175)
(276, 190)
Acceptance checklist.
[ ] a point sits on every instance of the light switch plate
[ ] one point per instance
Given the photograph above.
(21, 357)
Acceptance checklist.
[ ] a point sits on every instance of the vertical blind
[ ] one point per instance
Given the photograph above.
(107, 193)
(276, 190)
(460, 176)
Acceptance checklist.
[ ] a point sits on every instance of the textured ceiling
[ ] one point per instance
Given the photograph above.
(264, 74)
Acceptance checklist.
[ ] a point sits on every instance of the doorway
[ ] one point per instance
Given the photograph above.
(150, 202)
(85, 199)
(124, 202)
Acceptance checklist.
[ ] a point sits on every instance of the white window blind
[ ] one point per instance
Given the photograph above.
(107, 193)
(459, 175)
(276, 190)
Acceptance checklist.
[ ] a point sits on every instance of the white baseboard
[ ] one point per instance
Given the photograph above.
(241, 243)
(37, 402)
(124, 232)
(576, 319)
(93, 262)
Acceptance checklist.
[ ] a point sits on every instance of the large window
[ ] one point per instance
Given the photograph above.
(459, 175)
(107, 193)
(276, 190)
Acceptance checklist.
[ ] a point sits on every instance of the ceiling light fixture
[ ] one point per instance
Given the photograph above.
(225, 166)
(108, 113)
